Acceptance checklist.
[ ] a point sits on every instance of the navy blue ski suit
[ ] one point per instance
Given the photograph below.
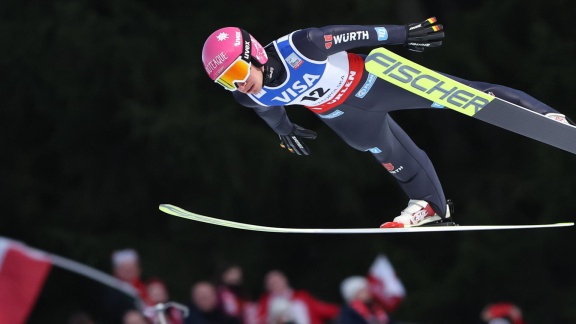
(317, 71)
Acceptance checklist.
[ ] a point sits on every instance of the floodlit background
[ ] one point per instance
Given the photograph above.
(106, 113)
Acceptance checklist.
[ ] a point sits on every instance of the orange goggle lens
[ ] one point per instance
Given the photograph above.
(238, 71)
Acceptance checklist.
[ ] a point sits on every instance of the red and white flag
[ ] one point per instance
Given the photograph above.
(385, 285)
(22, 274)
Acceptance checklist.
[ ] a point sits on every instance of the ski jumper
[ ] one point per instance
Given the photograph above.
(318, 72)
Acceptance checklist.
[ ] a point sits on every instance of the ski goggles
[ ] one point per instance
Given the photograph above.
(238, 71)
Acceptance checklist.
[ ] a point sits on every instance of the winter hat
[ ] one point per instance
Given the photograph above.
(124, 256)
(351, 286)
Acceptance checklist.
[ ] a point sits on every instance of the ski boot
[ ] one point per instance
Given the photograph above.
(561, 118)
(420, 213)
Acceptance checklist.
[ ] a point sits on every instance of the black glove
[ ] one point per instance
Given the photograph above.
(424, 35)
(293, 141)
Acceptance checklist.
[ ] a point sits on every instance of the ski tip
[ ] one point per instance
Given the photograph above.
(563, 224)
(167, 208)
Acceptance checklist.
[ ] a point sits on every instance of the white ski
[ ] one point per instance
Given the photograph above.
(177, 211)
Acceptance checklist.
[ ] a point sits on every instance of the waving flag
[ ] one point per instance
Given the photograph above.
(22, 275)
(384, 284)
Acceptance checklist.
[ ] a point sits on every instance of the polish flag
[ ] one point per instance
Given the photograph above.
(386, 288)
(22, 274)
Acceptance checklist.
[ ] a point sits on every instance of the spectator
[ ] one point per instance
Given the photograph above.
(205, 308)
(282, 303)
(360, 307)
(280, 312)
(233, 297)
(134, 317)
(158, 294)
(126, 267)
(502, 313)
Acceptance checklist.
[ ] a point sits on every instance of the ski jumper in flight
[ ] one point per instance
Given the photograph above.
(314, 67)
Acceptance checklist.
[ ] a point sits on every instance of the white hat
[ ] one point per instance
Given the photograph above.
(124, 256)
(351, 286)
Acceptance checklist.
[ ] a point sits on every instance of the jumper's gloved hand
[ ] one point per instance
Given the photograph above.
(424, 35)
(293, 141)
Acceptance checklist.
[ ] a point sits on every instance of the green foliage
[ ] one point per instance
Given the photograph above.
(107, 113)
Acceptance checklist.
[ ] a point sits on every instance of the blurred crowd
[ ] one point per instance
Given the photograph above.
(222, 301)
(364, 300)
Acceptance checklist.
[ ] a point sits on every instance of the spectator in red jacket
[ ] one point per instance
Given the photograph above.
(158, 294)
(232, 294)
(281, 304)
(360, 307)
(502, 313)
(126, 267)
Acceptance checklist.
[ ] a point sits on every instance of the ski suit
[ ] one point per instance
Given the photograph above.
(318, 72)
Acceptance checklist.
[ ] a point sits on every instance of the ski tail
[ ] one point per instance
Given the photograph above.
(464, 99)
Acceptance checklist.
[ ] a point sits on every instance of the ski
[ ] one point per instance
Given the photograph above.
(469, 101)
(177, 211)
